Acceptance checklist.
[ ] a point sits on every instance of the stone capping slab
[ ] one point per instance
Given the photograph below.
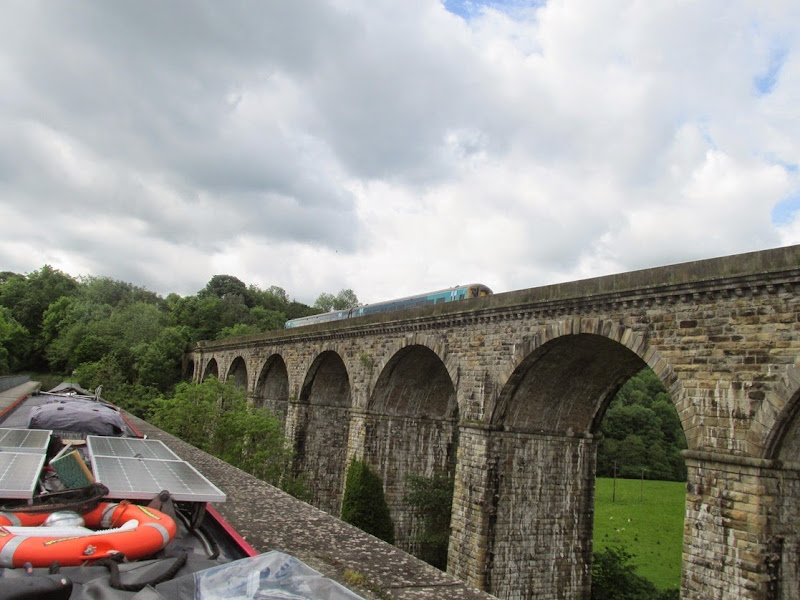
(753, 273)
(740, 461)
(270, 519)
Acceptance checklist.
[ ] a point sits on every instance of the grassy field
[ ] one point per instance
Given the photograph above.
(647, 521)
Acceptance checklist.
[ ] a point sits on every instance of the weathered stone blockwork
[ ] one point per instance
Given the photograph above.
(525, 378)
(543, 500)
(418, 447)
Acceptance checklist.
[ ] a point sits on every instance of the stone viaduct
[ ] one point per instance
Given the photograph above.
(506, 393)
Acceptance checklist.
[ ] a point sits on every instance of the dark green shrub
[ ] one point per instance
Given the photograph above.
(215, 417)
(364, 504)
(432, 500)
(615, 578)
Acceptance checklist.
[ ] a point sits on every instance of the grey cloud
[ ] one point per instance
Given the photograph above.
(144, 85)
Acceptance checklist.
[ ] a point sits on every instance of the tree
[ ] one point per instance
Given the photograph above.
(278, 292)
(225, 286)
(193, 412)
(364, 504)
(345, 299)
(104, 290)
(28, 298)
(66, 324)
(14, 343)
(632, 419)
(158, 363)
(106, 372)
(325, 302)
(641, 432)
(252, 439)
(215, 416)
(268, 320)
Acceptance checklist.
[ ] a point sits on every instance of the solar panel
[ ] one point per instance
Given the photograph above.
(22, 454)
(139, 469)
(130, 448)
(25, 440)
(19, 472)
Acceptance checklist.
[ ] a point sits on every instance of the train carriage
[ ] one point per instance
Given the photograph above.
(461, 292)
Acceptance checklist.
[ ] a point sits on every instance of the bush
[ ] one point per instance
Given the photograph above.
(215, 417)
(432, 500)
(364, 504)
(615, 578)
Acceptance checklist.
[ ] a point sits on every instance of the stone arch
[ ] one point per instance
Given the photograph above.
(432, 342)
(550, 406)
(411, 428)
(784, 433)
(557, 376)
(272, 387)
(188, 372)
(238, 372)
(212, 369)
(321, 427)
(783, 484)
(635, 341)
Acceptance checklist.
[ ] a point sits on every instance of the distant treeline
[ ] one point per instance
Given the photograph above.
(642, 435)
(101, 331)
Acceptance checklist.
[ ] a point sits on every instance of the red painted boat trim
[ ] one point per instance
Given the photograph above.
(132, 427)
(235, 535)
(13, 405)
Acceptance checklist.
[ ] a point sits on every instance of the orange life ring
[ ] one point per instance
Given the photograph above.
(153, 532)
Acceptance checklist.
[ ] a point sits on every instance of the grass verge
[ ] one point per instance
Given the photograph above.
(646, 518)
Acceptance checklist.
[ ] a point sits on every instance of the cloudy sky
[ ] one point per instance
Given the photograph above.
(394, 146)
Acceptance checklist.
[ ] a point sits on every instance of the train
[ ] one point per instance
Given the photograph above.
(459, 292)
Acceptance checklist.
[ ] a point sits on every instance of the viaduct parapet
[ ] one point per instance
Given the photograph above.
(506, 393)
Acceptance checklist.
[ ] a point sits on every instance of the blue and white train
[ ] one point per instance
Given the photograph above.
(461, 292)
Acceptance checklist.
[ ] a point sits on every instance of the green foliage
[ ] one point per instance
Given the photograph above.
(101, 331)
(140, 400)
(28, 297)
(104, 290)
(341, 301)
(216, 417)
(193, 412)
(615, 578)
(298, 309)
(267, 320)
(213, 317)
(226, 286)
(432, 500)
(158, 363)
(237, 330)
(364, 504)
(641, 433)
(274, 298)
(14, 344)
(645, 518)
(106, 372)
